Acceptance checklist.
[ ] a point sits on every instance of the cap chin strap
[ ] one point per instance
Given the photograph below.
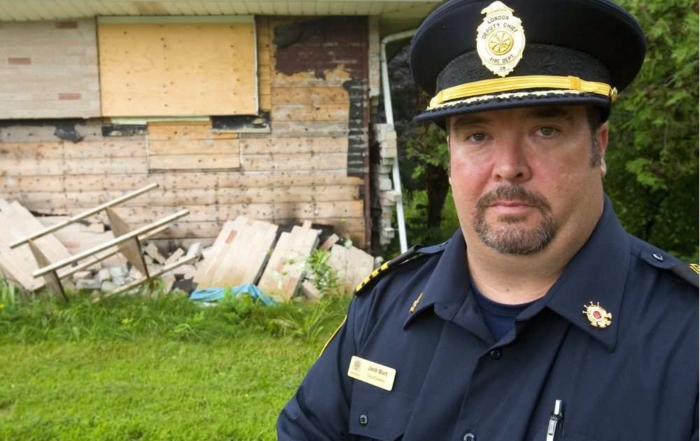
(511, 84)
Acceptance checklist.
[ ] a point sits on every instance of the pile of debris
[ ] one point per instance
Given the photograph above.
(110, 277)
(253, 251)
(246, 251)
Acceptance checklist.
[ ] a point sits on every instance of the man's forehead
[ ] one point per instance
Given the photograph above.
(534, 112)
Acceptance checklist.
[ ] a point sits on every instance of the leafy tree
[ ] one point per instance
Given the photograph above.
(653, 154)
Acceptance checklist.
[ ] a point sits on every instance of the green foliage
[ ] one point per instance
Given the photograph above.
(8, 296)
(653, 153)
(323, 276)
(415, 206)
(429, 219)
(311, 325)
(427, 148)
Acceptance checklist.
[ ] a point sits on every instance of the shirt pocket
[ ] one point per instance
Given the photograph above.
(379, 415)
(577, 436)
(568, 435)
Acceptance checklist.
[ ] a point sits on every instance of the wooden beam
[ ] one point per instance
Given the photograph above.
(174, 181)
(111, 243)
(52, 280)
(84, 215)
(95, 259)
(131, 249)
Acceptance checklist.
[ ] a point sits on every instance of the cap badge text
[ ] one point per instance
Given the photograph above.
(597, 316)
(500, 39)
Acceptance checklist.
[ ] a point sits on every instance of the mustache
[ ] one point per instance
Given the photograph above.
(513, 193)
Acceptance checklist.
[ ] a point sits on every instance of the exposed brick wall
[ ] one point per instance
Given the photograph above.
(49, 70)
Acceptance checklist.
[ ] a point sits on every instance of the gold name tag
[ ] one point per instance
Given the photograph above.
(372, 373)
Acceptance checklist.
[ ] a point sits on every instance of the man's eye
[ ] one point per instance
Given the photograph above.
(547, 131)
(476, 137)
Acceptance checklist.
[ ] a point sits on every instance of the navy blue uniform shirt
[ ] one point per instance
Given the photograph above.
(635, 380)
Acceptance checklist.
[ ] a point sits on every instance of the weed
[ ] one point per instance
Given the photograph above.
(322, 274)
(8, 295)
(44, 318)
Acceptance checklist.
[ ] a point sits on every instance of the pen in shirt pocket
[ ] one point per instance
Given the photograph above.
(554, 419)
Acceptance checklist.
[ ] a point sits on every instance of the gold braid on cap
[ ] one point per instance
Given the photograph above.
(510, 84)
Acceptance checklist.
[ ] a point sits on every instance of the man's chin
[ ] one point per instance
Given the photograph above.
(514, 238)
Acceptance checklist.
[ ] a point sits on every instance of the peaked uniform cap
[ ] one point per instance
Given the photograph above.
(594, 43)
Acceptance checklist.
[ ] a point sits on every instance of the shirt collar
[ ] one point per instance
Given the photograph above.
(449, 282)
(597, 273)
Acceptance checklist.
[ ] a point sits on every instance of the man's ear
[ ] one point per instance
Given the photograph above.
(602, 137)
(449, 161)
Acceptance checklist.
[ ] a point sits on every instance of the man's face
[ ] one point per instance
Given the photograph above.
(522, 178)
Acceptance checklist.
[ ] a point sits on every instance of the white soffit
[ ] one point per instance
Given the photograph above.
(37, 10)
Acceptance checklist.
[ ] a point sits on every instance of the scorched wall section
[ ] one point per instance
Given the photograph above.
(301, 158)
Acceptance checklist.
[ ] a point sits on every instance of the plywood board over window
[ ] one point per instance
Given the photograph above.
(175, 66)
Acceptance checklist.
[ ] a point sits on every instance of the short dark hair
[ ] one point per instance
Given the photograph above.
(595, 120)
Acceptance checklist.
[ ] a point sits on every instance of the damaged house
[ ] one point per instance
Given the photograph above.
(256, 108)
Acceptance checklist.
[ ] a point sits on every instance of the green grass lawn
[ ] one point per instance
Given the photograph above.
(153, 369)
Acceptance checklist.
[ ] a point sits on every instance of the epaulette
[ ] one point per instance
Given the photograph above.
(412, 253)
(662, 260)
(687, 272)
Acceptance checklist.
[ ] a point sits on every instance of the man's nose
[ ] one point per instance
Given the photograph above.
(511, 161)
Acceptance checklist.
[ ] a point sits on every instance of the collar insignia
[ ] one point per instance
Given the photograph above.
(415, 304)
(500, 39)
(597, 316)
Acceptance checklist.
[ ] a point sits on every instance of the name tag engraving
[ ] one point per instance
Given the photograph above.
(372, 373)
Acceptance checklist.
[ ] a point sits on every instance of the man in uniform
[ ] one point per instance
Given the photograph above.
(541, 319)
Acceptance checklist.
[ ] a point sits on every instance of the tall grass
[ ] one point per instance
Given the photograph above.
(26, 318)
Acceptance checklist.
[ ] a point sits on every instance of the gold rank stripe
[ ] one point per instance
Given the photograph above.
(374, 274)
(497, 85)
(330, 339)
(695, 267)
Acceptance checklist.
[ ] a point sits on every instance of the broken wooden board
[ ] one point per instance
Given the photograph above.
(352, 265)
(287, 263)
(238, 255)
(325, 246)
(51, 279)
(309, 291)
(131, 249)
(18, 264)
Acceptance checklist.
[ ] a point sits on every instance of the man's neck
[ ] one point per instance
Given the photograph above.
(515, 279)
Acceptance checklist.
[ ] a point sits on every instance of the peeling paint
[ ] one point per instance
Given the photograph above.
(357, 128)
(65, 128)
(321, 45)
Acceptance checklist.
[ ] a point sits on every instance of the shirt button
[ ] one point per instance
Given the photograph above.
(469, 437)
(658, 257)
(495, 355)
(363, 420)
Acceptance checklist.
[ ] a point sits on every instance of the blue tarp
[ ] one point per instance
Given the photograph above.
(214, 294)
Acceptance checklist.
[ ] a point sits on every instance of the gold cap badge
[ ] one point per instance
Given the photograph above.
(500, 39)
(597, 315)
